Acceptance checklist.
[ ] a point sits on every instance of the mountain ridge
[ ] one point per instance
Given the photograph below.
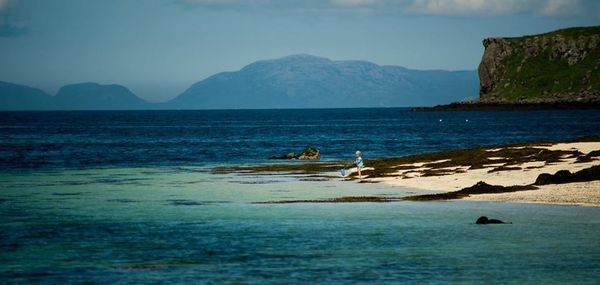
(305, 81)
(294, 81)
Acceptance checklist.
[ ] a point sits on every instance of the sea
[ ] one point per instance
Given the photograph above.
(130, 197)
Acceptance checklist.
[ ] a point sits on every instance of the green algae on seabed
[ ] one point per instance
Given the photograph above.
(479, 188)
(346, 199)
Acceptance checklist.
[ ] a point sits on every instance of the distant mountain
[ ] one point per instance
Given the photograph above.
(297, 81)
(304, 81)
(21, 97)
(83, 96)
(94, 96)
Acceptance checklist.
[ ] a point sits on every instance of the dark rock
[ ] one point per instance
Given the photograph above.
(565, 176)
(588, 157)
(289, 155)
(483, 220)
(543, 179)
(310, 153)
(479, 188)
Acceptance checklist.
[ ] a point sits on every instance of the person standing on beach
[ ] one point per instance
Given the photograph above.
(359, 163)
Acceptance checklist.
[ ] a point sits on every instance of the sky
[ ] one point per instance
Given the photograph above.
(158, 48)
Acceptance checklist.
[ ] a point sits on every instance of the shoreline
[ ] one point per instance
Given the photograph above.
(507, 107)
(519, 173)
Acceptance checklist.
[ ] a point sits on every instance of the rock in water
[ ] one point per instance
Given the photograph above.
(310, 153)
(289, 155)
(483, 220)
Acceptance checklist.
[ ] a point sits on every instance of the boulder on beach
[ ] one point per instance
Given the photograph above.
(565, 176)
(309, 153)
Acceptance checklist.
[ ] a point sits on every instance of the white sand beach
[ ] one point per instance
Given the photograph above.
(584, 193)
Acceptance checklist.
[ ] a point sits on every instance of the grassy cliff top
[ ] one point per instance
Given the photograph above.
(559, 66)
(574, 32)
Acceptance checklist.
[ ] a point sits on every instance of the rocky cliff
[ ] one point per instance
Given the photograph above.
(556, 67)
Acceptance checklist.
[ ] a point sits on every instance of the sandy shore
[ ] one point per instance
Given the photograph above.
(458, 177)
(580, 193)
(509, 172)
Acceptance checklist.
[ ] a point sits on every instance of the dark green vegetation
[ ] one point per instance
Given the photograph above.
(346, 199)
(287, 168)
(479, 188)
(443, 163)
(560, 66)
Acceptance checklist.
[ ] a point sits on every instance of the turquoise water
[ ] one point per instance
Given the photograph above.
(185, 225)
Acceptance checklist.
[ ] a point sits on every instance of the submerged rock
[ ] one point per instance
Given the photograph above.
(483, 220)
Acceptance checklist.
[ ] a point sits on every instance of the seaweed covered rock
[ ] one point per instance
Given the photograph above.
(479, 188)
(565, 176)
(309, 153)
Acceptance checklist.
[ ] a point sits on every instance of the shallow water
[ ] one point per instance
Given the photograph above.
(183, 225)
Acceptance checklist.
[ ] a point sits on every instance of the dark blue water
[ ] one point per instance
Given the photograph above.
(154, 138)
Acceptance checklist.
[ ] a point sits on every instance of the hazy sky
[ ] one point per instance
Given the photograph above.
(159, 48)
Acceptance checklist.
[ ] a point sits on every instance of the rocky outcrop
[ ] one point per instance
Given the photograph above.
(561, 66)
(565, 176)
(309, 153)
